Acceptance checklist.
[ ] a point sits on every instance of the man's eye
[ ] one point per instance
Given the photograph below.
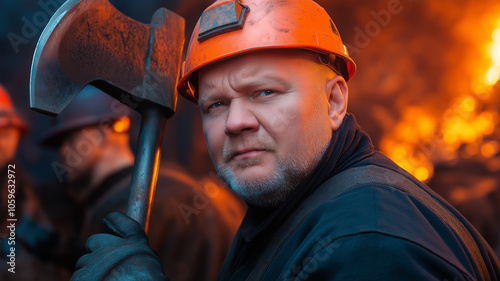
(216, 104)
(266, 93)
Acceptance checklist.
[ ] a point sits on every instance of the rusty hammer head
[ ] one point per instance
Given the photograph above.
(91, 42)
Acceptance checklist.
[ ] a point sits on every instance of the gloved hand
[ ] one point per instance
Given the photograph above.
(126, 256)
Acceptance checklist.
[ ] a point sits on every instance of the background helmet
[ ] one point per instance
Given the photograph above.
(90, 107)
(230, 28)
(8, 116)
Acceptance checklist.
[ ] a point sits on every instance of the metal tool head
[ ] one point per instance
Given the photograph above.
(91, 42)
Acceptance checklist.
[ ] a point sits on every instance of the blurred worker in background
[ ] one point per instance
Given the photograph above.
(25, 233)
(193, 221)
(270, 79)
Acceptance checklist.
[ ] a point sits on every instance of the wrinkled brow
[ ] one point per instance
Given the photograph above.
(247, 82)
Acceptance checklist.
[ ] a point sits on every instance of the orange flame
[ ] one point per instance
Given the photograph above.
(418, 140)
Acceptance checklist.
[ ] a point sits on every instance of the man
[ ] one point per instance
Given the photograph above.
(270, 78)
(25, 232)
(193, 222)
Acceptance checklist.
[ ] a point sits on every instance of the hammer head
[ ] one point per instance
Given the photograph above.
(91, 42)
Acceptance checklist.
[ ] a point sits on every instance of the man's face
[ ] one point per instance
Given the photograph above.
(79, 153)
(266, 121)
(9, 139)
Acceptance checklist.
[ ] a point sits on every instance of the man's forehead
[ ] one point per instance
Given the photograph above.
(252, 73)
(253, 69)
(251, 62)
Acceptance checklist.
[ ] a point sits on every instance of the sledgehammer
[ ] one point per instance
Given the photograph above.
(91, 42)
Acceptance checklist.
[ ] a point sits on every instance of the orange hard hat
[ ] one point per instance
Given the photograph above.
(230, 28)
(8, 116)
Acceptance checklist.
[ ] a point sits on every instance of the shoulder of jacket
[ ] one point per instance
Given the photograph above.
(370, 255)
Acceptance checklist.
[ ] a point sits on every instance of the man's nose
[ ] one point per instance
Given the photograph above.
(240, 118)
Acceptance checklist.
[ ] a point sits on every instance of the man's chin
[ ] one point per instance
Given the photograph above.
(253, 174)
(262, 185)
(257, 189)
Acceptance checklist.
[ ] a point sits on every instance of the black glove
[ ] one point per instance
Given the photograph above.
(126, 256)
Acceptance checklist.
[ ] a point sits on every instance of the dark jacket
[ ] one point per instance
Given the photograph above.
(385, 226)
(192, 222)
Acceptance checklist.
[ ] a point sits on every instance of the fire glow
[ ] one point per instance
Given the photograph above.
(493, 74)
(420, 139)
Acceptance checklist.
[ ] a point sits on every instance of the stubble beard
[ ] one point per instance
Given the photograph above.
(270, 191)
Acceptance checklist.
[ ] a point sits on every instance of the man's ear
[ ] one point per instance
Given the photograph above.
(337, 100)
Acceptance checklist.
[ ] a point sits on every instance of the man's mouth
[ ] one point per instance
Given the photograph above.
(244, 153)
